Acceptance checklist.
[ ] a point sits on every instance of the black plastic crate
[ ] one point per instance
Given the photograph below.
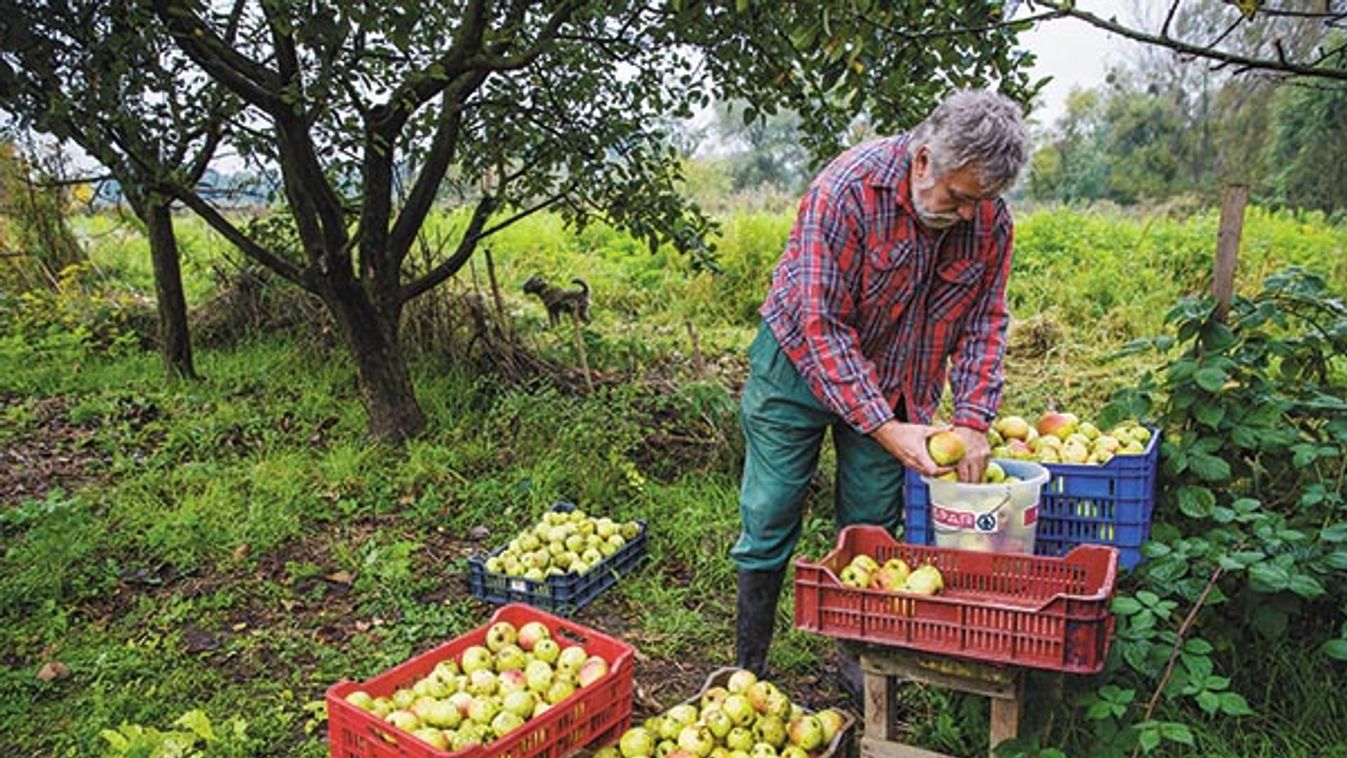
(563, 594)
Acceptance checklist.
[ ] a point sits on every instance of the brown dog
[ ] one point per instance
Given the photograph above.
(558, 300)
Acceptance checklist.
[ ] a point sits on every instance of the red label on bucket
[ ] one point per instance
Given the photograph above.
(952, 518)
(1031, 515)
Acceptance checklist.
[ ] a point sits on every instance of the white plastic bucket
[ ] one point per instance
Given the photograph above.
(993, 518)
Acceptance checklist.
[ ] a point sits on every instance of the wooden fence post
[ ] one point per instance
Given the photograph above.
(1227, 247)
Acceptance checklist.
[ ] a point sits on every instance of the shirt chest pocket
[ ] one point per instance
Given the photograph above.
(954, 288)
(888, 277)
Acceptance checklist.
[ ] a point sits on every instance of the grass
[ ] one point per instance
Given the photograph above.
(192, 565)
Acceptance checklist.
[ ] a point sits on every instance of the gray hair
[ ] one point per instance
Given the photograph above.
(976, 128)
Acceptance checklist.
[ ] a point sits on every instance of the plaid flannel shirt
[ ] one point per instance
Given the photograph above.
(873, 308)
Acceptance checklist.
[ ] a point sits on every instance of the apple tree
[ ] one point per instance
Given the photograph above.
(95, 73)
(372, 111)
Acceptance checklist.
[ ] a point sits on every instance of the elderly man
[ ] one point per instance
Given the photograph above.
(894, 274)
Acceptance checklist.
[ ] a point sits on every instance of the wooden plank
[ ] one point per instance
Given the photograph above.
(1005, 721)
(1227, 247)
(984, 679)
(878, 700)
(877, 748)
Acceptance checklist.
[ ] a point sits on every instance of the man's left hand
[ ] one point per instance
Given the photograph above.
(976, 454)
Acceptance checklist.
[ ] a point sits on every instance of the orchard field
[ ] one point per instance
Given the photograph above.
(229, 548)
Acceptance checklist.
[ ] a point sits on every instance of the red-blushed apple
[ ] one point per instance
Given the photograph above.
(831, 721)
(461, 701)
(1057, 424)
(592, 670)
(806, 732)
(946, 448)
(510, 681)
(531, 633)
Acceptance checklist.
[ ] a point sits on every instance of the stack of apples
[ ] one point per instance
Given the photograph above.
(489, 690)
(895, 576)
(1060, 437)
(746, 718)
(562, 543)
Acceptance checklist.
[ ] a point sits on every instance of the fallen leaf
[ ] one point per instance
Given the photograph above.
(241, 551)
(340, 577)
(478, 533)
(53, 670)
(198, 640)
(240, 626)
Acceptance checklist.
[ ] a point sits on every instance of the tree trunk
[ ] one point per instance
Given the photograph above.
(385, 382)
(175, 344)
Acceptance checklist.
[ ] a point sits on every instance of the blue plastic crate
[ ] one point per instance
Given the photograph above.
(564, 594)
(1081, 504)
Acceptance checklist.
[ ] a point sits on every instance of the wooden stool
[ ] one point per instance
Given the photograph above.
(1002, 683)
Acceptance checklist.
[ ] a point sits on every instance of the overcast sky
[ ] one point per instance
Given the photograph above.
(1074, 54)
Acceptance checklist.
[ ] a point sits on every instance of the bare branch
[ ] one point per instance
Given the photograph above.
(1169, 19)
(242, 241)
(1244, 62)
(251, 80)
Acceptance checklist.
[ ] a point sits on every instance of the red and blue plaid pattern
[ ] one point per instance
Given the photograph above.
(874, 308)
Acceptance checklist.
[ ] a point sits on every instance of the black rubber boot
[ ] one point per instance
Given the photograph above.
(756, 609)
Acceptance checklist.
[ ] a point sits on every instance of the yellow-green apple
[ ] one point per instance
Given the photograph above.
(1057, 423)
(506, 722)
(592, 670)
(1012, 427)
(404, 719)
(636, 742)
(740, 681)
(946, 448)
(806, 732)
(361, 699)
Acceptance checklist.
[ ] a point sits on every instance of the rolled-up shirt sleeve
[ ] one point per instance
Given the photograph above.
(828, 256)
(976, 372)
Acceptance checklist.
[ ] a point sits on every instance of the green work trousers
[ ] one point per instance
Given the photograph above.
(784, 424)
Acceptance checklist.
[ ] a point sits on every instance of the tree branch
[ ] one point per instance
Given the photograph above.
(453, 263)
(1244, 62)
(251, 80)
(247, 245)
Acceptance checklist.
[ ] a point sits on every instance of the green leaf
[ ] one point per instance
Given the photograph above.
(1210, 378)
(1337, 560)
(1176, 732)
(1334, 532)
(1125, 606)
(1306, 586)
(1195, 502)
(1210, 414)
(1149, 740)
(1335, 649)
(1209, 467)
(1234, 704)
(198, 722)
(1198, 646)
(1268, 578)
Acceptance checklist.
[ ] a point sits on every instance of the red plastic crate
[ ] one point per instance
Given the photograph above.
(597, 713)
(1038, 611)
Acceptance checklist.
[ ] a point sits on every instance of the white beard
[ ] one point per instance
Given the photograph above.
(929, 219)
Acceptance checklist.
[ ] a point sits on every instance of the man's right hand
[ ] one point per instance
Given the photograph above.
(907, 443)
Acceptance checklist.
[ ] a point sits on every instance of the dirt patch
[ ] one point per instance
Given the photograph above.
(52, 453)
